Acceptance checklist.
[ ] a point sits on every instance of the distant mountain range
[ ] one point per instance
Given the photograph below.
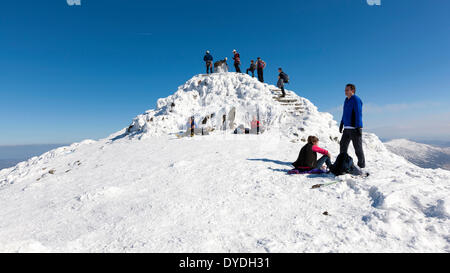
(423, 155)
(7, 163)
(10, 155)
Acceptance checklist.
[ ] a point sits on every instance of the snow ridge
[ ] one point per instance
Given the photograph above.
(423, 155)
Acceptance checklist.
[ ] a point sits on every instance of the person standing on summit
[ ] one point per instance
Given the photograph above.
(209, 62)
(237, 61)
(260, 65)
(351, 124)
(252, 68)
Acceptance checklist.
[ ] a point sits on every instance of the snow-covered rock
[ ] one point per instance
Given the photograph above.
(211, 97)
(423, 155)
(144, 189)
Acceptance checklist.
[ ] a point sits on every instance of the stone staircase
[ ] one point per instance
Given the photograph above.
(290, 103)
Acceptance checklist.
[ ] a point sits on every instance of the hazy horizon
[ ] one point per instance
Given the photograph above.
(11, 155)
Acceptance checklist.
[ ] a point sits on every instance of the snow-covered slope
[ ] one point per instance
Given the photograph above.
(423, 155)
(144, 189)
(210, 97)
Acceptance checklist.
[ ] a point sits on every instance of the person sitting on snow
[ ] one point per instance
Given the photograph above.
(221, 66)
(307, 159)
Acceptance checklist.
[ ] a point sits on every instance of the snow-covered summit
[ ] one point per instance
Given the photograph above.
(213, 99)
(144, 189)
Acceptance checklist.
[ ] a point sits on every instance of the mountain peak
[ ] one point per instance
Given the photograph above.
(234, 98)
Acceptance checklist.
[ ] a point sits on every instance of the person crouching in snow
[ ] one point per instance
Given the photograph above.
(307, 159)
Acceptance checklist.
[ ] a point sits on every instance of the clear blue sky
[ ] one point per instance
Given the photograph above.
(73, 72)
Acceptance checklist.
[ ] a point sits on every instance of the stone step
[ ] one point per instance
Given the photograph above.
(287, 101)
(287, 95)
(292, 105)
(285, 98)
(279, 95)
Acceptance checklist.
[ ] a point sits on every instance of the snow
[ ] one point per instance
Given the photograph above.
(219, 93)
(423, 155)
(149, 191)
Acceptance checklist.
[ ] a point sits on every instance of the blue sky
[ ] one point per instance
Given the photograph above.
(73, 72)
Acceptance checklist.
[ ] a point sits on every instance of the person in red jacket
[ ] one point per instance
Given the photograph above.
(307, 159)
(237, 61)
(255, 126)
(260, 65)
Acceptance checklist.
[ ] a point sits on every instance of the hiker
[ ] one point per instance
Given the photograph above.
(351, 124)
(307, 159)
(252, 68)
(209, 62)
(260, 65)
(221, 66)
(237, 61)
(255, 126)
(282, 79)
(191, 125)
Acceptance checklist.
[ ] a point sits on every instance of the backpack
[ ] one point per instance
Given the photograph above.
(285, 77)
(342, 165)
(261, 64)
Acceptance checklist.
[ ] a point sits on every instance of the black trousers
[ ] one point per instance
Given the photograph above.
(280, 85)
(353, 136)
(238, 69)
(251, 70)
(260, 75)
(209, 67)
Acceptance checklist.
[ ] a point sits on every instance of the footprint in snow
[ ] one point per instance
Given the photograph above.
(180, 164)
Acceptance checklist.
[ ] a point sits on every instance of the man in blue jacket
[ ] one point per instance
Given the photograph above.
(351, 124)
(209, 62)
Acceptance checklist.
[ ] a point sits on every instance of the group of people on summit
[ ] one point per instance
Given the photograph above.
(259, 66)
(351, 123)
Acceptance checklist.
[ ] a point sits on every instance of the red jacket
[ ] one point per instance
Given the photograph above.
(255, 124)
(261, 64)
(237, 58)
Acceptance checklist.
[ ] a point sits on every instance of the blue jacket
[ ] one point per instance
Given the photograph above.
(208, 58)
(352, 115)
